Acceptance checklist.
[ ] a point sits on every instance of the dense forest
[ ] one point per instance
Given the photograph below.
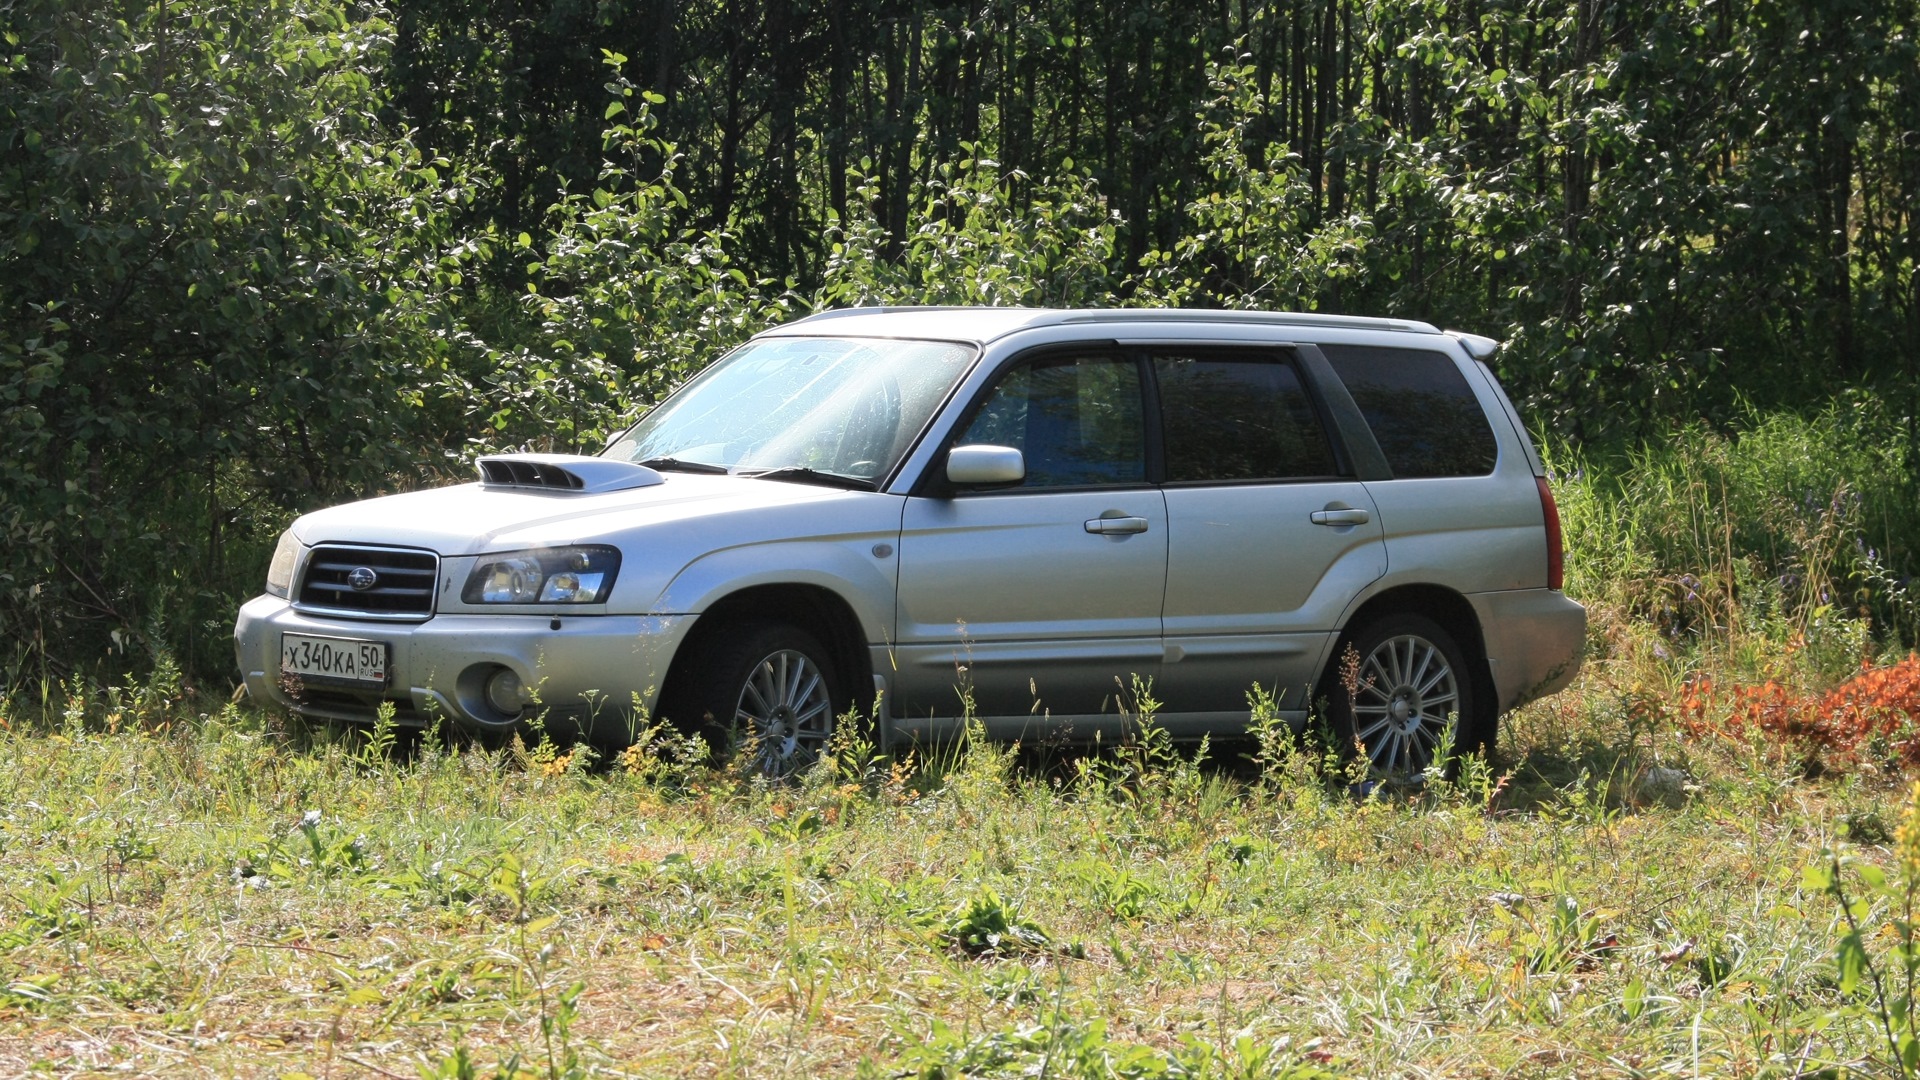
(257, 258)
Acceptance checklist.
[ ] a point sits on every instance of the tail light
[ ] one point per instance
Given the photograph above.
(1556, 548)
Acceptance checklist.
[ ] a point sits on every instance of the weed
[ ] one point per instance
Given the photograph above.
(660, 756)
(1878, 957)
(985, 925)
(1069, 1048)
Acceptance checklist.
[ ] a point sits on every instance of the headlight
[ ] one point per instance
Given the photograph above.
(286, 555)
(570, 575)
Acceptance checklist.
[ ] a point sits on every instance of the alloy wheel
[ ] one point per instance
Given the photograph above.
(1406, 698)
(786, 713)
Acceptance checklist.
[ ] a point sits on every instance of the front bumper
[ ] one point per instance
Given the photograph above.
(1535, 641)
(584, 671)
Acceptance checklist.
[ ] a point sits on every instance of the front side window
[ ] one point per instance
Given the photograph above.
(1232, 416)
(1076, 419)
(1422, 412)
(843, 407)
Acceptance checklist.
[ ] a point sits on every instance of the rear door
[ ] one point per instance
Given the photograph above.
(1270, 534)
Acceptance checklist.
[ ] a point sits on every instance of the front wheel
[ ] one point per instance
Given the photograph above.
(1398, 690)
(773, 690)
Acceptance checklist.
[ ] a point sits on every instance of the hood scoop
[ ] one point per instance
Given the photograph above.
(564, 472)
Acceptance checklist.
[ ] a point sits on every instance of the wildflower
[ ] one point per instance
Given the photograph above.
(1906, 839)
(310, 819)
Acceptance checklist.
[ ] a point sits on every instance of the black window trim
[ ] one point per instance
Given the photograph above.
(1356, 454)
(1367, 460)
(1473, 393)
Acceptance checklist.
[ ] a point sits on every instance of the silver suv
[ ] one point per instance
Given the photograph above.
(918, 512)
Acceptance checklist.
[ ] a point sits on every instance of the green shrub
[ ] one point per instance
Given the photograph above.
(1793, 529)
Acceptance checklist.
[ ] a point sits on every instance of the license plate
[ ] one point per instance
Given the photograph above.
(330, 659)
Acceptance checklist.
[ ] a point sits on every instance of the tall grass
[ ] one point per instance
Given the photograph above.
(211, 893)
(1783, 536)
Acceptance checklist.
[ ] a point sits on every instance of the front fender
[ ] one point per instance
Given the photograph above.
(848, 566)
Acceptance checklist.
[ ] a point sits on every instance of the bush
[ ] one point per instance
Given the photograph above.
(1785, 528)
(225, 282)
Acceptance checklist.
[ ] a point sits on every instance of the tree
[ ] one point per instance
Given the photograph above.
(224, 283)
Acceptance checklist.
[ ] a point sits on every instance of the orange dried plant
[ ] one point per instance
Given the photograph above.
(1876, 711)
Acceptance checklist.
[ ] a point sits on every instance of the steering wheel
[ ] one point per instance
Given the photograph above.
(872, 426)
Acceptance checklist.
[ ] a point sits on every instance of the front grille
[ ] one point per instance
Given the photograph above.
(401, 582)
(359, 708)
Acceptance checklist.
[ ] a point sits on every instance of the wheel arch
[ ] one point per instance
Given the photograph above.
(816, 609)
(1456, 616)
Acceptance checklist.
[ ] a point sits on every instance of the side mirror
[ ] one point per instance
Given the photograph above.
(976, 466)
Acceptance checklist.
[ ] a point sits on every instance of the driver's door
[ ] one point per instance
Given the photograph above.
(1040, 598)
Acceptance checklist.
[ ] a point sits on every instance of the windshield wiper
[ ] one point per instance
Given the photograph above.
(802, 474)
(674, 464)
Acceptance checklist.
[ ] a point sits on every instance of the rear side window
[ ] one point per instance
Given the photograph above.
(1237, 416)
(1421, 410)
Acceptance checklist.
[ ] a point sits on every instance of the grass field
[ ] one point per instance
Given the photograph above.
(219, 893)
(1698, 861)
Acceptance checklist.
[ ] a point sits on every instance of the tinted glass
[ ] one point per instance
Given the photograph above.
(1420, 408)
(1076, 420)
(1238, 416)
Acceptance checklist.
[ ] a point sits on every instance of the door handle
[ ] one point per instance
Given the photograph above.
(1116, 526)
(1340, 515)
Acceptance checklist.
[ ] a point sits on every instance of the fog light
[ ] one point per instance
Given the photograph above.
(503, 692)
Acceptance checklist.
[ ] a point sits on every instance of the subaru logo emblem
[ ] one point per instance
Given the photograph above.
(362, 578)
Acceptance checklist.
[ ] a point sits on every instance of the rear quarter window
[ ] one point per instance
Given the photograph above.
(1422, 412)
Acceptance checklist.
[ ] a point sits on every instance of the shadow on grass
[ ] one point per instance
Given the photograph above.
(1541, 776)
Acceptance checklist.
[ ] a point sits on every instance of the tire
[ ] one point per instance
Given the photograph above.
(770, 690)
(1411, 687)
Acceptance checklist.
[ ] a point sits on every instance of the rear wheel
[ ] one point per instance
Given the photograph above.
(770, 689)
(1400, 689)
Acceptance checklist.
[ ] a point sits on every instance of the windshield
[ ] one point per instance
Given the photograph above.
(841, 407)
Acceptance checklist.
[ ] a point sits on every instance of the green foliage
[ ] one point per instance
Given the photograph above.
(313, 849)
(1257, 238)
(1660, 206)
(1070, 1048)
(254, 262)
(984, 924)
(626, 294)
(983, 235)
(1789, 528)
(224, 280)
(1877, 957)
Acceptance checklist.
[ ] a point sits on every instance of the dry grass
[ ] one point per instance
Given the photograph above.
(164, 909)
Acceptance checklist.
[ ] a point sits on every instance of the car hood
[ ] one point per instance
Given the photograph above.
(471, 519)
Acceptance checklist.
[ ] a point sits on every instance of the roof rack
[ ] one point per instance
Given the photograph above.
(841, 313)
(1258, 318)
(1082, 316)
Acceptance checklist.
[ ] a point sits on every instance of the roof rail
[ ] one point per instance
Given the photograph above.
(1072, 316)
(1257, 318)
(841, 313)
